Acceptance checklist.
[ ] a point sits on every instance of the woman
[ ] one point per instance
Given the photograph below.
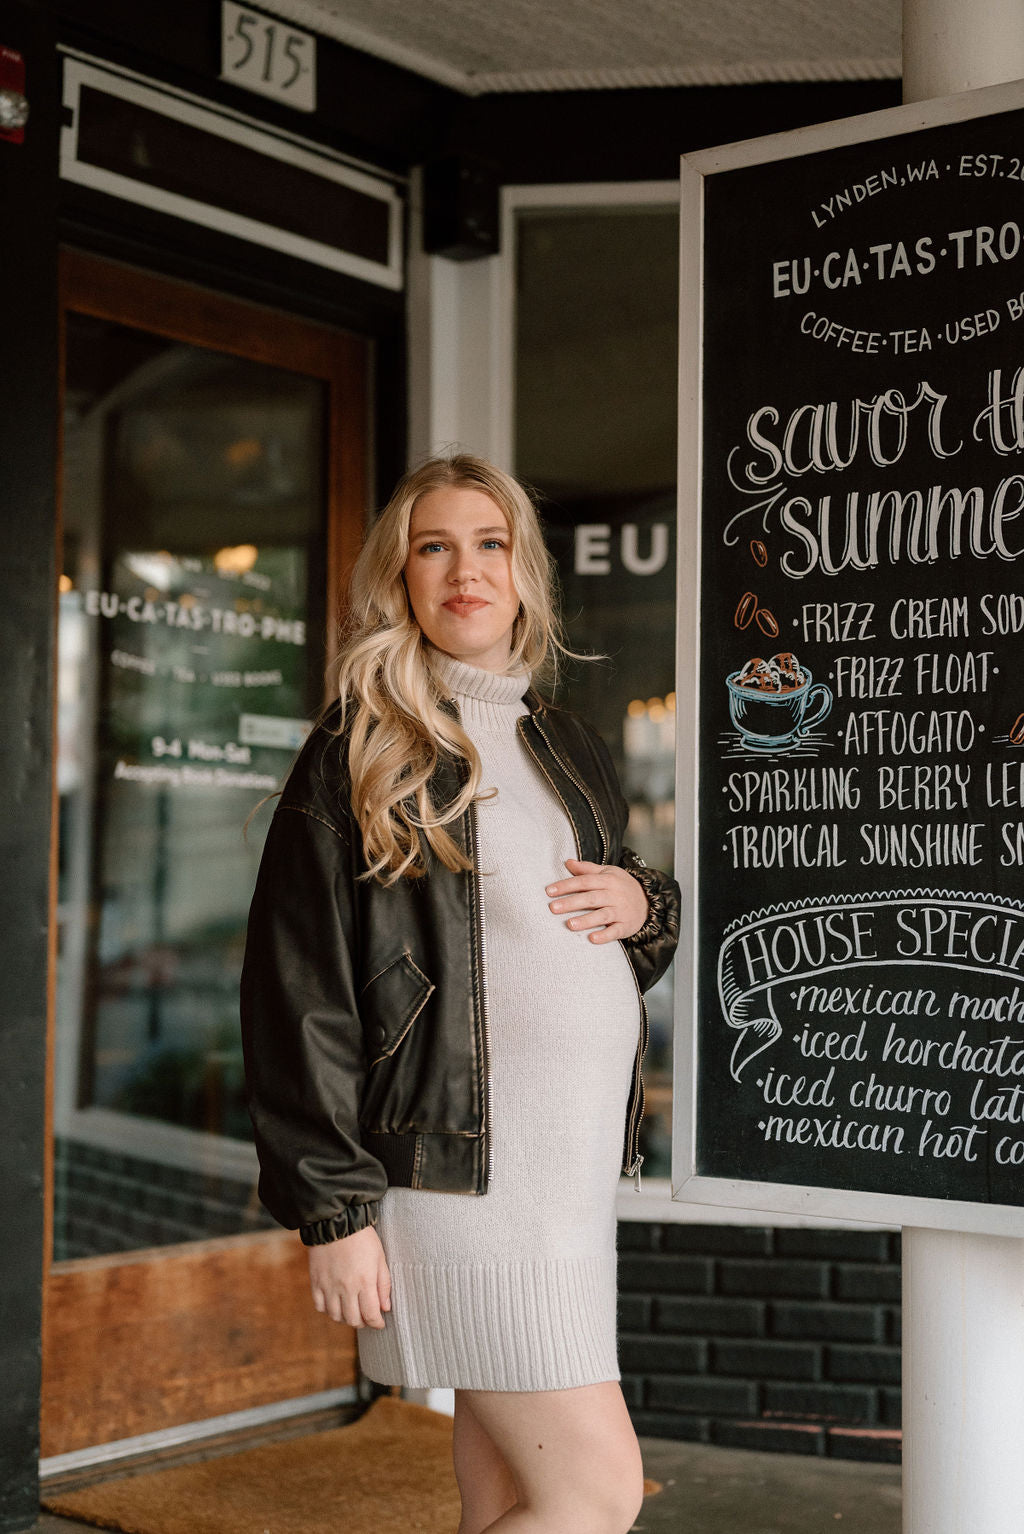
(441, 1008)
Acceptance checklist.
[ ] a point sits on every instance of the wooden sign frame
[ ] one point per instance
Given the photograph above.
(690, 1180)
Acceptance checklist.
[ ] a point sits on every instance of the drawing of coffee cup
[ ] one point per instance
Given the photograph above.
(768, 720)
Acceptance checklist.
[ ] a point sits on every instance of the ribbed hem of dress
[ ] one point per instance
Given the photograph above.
(546, 1325)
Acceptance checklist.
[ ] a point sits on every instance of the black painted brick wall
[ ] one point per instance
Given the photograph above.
(110, 1202)
(762, 1338)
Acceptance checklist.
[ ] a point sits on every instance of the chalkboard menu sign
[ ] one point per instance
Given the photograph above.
(852, 651)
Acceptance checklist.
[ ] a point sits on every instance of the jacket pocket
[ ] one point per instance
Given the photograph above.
(391, 1002)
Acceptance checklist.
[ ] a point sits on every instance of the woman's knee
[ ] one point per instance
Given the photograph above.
(632, 1498)
(609, 1493)
(573, 1453)
(606, 1505)
(618, 1494)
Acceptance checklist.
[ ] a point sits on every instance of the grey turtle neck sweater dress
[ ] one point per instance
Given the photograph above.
(515, 1288)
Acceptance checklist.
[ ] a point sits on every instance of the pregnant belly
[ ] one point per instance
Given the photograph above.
(569, 1036)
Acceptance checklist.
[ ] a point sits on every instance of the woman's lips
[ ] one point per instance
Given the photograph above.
(462, 606)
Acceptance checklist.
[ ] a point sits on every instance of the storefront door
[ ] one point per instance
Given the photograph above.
(213, 490)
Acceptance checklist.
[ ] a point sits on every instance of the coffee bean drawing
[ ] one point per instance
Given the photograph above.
(746, 610)
(759, 552)
(767, 623)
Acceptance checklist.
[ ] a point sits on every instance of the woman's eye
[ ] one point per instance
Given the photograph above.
(430, 548)
(493, 543)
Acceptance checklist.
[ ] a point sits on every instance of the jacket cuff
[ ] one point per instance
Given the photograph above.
(352, 1218)
(653, 884)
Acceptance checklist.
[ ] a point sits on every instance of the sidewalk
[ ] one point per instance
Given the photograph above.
(736, 1491)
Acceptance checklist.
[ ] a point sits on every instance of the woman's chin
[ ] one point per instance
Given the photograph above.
(489, 654)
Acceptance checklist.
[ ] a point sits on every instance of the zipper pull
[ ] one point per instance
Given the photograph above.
(636, 1173)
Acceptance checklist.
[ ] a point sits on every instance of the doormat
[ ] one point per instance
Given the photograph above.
(387, 1473)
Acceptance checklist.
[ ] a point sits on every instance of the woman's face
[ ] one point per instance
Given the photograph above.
(459, 575)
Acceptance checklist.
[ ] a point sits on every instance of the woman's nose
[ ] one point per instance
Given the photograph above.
(464, 565)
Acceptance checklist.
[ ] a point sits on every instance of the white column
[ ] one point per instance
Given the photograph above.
(456, 348)
(957, 45)
(963, 1295)
(963, 1383)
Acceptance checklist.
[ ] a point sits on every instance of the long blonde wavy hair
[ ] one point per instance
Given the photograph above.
(388, 684)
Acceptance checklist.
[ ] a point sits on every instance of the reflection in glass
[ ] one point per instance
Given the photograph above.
(596, 354)
(192, 527)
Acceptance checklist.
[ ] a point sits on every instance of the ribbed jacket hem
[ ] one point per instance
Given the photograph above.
(545, 1325)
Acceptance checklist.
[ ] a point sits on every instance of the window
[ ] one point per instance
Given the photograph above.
(595, 346)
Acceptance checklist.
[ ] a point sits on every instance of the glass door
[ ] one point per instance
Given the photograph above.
(213, 495)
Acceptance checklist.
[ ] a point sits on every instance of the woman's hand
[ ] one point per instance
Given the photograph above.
(350, 1279)
(604, 896)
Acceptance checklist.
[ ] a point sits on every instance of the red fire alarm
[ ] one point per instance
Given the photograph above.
(13, 102)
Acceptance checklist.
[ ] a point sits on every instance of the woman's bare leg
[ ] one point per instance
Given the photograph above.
(573, 1456)
(485, 1482)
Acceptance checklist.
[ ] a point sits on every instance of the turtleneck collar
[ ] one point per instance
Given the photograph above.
(495, 688)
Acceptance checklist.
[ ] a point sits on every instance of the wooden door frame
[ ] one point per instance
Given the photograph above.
(192, 1298)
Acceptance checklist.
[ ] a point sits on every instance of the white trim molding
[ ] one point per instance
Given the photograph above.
(654, 1204)
(290, 149)
(190, 1150)
(192, 1432)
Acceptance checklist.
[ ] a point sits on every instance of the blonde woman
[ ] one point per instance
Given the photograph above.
(442, 1009)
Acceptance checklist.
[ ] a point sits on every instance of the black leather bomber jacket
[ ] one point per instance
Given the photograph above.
(364, 1017)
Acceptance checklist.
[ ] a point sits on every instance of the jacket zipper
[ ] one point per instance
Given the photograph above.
(554, 785)
(637, 1094)
(478, 885)
(637, 1091)
(584, 790)
(478, 888)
